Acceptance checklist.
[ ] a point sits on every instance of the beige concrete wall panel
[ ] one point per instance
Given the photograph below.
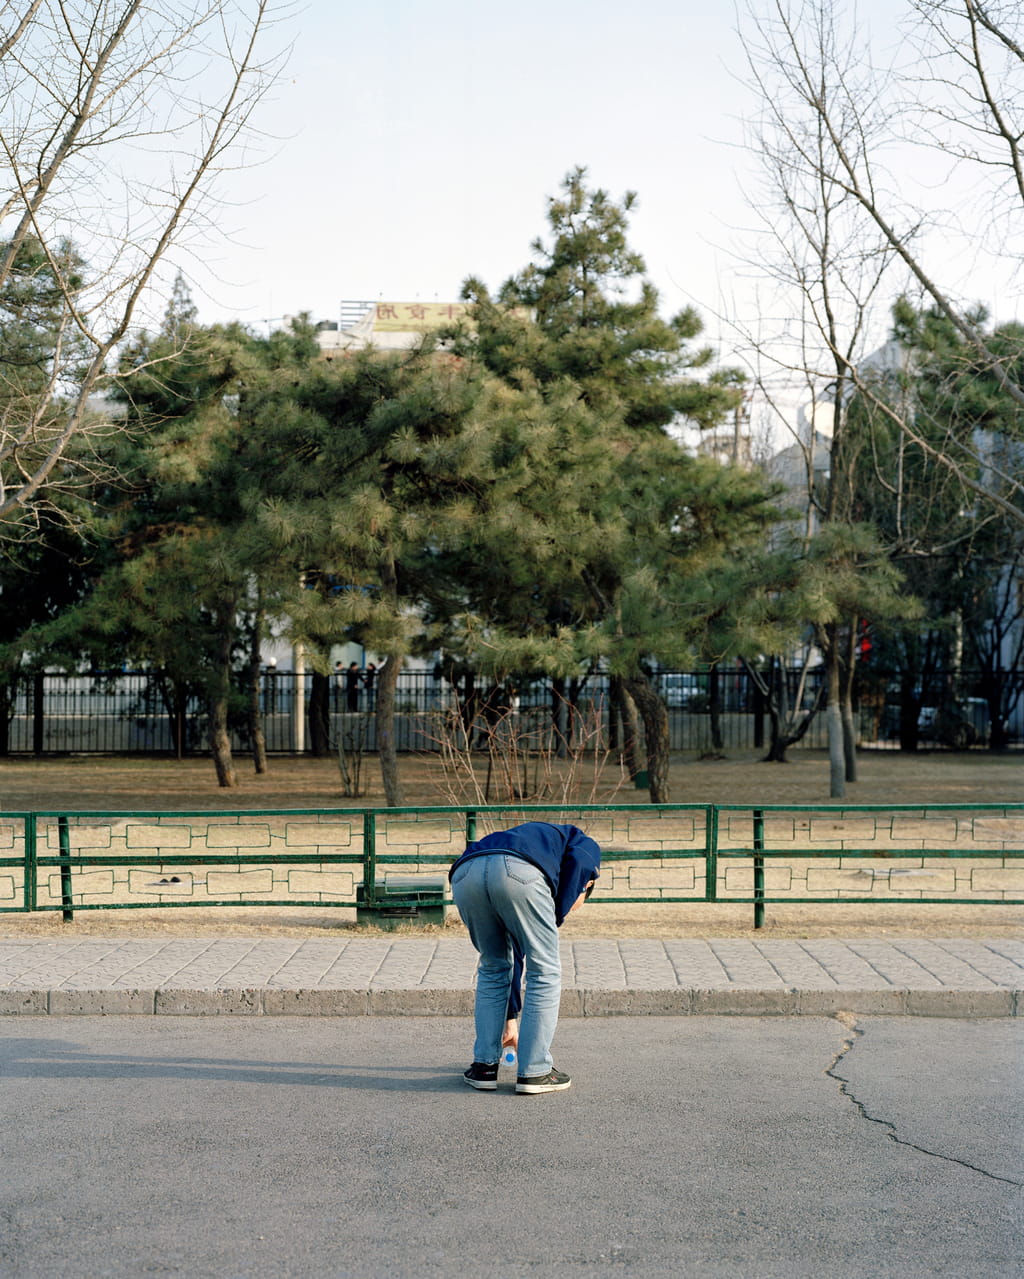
(226, 883)
(318, 834)
(138, 836)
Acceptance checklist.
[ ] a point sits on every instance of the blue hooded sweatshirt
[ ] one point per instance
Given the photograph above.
(568, 859)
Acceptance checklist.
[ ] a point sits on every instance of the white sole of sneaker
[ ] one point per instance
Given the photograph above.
(536, 1088)
(482, 1085)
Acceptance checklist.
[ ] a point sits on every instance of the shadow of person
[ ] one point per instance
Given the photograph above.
(49, 1059)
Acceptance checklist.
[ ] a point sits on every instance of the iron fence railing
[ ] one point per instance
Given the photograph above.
(128, 713)
(383, 861)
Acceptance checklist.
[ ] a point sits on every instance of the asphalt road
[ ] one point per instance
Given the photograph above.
(705, 1146)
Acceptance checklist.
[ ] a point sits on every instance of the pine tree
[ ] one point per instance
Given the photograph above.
(183, 579)
(585, 311)
(182, 312)
(632, 521)
(364, 471)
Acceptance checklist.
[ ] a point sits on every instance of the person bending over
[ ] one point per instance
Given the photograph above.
(513, 889)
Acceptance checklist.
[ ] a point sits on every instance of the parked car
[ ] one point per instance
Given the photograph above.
(957, 723)
(680, 690)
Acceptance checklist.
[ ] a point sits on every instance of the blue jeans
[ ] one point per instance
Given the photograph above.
(501, 897)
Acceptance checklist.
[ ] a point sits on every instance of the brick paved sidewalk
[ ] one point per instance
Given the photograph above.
(953, 977)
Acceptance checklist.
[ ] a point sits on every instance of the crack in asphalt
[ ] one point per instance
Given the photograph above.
(850, 1022)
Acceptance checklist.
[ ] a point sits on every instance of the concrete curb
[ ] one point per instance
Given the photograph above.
(459, 1003)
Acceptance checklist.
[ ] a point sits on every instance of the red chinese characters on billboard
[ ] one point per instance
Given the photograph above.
(412, 317)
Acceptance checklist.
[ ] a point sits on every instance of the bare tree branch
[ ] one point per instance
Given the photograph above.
(116, 118)
(10, 41)
(827, 123)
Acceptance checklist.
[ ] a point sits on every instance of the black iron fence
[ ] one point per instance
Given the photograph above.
(129, 713)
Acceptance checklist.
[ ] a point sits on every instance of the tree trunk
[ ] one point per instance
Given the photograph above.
(849, 726)
(715, 708)
(836, 762)
(220, 697)
(992, 691)
(834, 718)
(173, 700)
(779, 742)
(778, 712)
(774, 698)
(319, 714)
(849, 730)
(259, 741)
(387, 683)
(628, 721)
(387, 686)
(220, 743)
(655, 717)
(773, 694)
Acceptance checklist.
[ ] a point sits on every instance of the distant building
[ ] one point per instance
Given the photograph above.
(387, 326)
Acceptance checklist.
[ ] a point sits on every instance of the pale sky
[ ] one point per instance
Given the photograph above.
(418, 143)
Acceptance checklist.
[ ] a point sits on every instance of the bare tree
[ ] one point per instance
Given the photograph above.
(116, 119)
(838, 133)
(841, 132)
(827, 256)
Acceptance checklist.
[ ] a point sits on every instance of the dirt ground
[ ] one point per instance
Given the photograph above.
(143, 784)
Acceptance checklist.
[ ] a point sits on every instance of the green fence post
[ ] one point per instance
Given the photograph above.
(711, 853)
(31, 868)
(370, 857)
(758, 868)
(470, 826)
(64, 836)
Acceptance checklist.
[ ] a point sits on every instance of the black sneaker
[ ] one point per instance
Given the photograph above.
(482, 1076)
(553, 1081)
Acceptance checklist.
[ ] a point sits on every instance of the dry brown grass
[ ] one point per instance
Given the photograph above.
(139, 782)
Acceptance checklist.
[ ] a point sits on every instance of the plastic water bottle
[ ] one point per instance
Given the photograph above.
(508, 1056)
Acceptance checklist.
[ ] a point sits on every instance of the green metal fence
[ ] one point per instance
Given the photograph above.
(389, 863)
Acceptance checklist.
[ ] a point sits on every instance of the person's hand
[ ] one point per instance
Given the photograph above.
(510, 1035)
(581, 899)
